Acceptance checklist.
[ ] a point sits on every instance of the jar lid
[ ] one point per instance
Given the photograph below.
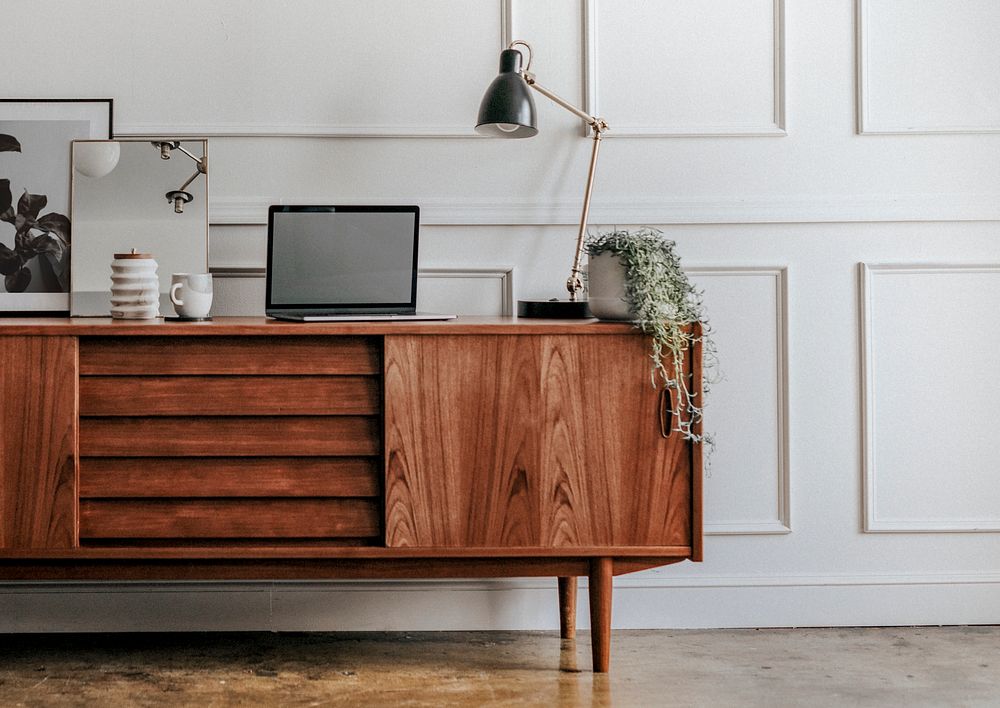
(133, 254)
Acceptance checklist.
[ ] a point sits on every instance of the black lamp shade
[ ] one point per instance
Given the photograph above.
(508, 109)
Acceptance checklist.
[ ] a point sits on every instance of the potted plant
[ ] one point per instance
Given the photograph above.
(637, 276)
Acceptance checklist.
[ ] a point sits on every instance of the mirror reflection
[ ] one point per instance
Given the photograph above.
(147, 195)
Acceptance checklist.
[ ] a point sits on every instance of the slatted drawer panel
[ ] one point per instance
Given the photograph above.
(268, 356)
(228, 435)
(130, 477)
(248, 441)
(214, 395)
(228, 518)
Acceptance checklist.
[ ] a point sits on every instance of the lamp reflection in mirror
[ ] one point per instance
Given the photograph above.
(508, 111)
(180, 196)
(96, 159)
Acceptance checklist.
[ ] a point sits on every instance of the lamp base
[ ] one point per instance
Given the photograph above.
(554, 309)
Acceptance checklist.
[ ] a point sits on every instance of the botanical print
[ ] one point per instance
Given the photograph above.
(36, 136)
(34, 201)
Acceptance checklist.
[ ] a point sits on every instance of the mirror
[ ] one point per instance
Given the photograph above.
(150, 195)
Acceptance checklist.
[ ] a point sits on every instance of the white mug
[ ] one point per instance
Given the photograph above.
(191, 294)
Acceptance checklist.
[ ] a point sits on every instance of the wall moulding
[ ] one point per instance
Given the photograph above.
(498, 281)
(707, 210)
(647, 600)
(503, 275)
(322, 130)
(868, 121)
(781, 483)
(776, 127)
(874, 470)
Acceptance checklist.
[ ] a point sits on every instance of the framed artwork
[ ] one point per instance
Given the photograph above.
(35, 225)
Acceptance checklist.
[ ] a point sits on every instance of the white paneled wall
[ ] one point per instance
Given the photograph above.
(760, 135)
(932, 397)
(749, 393)
(668, 81)
(929, 66)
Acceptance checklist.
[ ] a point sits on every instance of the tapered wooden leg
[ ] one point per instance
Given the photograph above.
(600, 612)
(567, 607)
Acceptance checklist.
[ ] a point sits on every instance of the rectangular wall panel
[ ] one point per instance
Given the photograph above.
(459, 291)
(930, 337)
(928, 66)
(706, 68)
(262, 68)
(747, 481)
(475, 291)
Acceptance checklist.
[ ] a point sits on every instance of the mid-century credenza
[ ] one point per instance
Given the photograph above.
(249, 449)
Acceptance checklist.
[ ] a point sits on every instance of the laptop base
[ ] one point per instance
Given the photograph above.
(361, 317)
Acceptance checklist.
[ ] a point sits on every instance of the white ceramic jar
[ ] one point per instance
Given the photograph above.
(135, 289)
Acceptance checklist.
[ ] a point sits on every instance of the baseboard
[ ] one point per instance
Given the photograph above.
(641, 602)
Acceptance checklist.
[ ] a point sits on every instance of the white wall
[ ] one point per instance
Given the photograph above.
(781, 144)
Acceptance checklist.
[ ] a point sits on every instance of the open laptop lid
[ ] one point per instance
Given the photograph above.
(342, 259)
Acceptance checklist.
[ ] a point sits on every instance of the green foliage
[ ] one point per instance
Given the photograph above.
(664, 304)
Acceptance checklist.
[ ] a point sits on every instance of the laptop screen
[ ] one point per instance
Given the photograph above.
(342, 258)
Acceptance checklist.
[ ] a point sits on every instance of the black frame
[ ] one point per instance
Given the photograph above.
(111, 124)
(395, 308)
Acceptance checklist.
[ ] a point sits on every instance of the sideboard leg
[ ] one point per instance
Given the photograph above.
(600, 612)
(567, 607)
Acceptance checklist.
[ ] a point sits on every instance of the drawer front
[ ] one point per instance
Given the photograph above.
(267, 356)
(152, 477)
(218, 395)
(225, 436)
(254, 441)
(228, 518)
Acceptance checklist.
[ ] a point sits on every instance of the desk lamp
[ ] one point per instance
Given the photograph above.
(508, 111)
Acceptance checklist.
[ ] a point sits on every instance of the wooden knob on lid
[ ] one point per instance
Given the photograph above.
(133, 254)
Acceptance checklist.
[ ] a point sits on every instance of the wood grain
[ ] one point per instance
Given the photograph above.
(261, 326)
(457, 439)
(228, 518)
(697, 453)
(646, 555)
(229, 477)
(581, 501)
(290, 569)
(217, 436)
(567, 607)
(546, 440)
(38, 442)
(645, 478)
(262, 356)
(600, 586)
(278, 547)
(229, 395)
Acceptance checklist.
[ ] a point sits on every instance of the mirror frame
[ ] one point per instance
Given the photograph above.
(150, 139)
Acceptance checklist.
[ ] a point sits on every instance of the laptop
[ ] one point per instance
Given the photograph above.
(343, 263)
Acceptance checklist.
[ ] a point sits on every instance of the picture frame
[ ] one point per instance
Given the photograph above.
(35, 220)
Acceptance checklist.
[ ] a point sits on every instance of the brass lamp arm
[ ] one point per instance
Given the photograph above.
(597, 124)
(185, 151)
(574, 283)
(190, 180)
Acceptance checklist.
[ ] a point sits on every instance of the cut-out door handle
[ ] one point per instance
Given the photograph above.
(666, 411)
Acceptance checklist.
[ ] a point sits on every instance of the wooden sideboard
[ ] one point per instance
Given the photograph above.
(252, 449)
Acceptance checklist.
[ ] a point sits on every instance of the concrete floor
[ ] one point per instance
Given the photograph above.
(939, 666)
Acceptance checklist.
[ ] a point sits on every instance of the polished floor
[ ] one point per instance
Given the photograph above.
(939, 666)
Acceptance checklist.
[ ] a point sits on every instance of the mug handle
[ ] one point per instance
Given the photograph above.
(173, 294)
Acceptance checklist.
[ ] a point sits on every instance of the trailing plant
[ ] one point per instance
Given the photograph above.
(45, 237)
(664, 305)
